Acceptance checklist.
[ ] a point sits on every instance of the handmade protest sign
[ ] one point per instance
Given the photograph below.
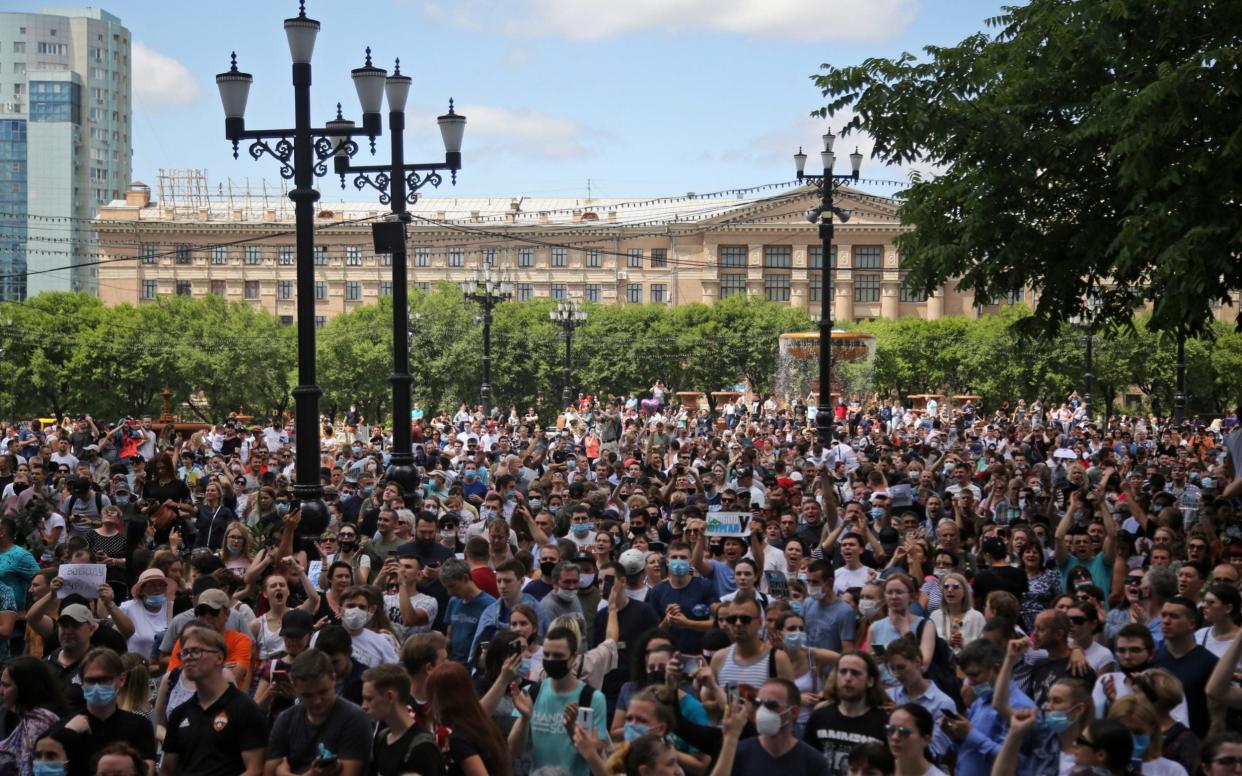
(727, 523)
(81, 579)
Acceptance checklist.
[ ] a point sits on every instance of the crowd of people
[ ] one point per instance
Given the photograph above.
(642, 589)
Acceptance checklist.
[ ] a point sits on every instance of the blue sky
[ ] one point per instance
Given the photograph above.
(642, 97)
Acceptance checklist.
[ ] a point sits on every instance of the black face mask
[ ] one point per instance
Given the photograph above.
(655, 677)
(556, 669)
(545, 568)
(1138, 669)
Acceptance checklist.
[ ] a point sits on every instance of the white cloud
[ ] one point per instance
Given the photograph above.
(586, 20)
(161, 81)
(492, 130)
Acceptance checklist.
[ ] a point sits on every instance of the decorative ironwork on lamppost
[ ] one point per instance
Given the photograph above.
(569, 315)
(487, 290)
(302, 159)
(398, 184)
(826, 184)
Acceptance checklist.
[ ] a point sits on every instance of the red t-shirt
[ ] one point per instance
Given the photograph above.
(485, 578)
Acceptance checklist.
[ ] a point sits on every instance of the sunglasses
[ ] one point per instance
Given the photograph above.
(1084, 741)
(1078, 620)
(1228, 761)
(1133, 581)
(205, 611)
(901, 731)
(743, 619)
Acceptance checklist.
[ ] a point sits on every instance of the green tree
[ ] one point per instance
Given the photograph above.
(1083, 143)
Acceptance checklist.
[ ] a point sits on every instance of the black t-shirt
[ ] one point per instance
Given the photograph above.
(461, 749)
(346, 733)
(635, 619)
(399, 758)
(1045, 673)
(834, 734)
(174, 489)
(134, 729)
(801, 760)
(211, 741)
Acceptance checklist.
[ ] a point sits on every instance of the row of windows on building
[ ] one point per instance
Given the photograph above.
(657, 293)
(731, 256)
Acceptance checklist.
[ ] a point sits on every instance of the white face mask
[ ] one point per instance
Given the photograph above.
(767, 722)
(354, 619)
(868, 607)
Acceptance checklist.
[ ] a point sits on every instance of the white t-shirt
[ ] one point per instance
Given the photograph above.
(392, 606)
(147, 625)
(1205, 639)
(1098, 656)
(1100, 699)
(773, 560)
(370, 648)
(845, 577)
(51, 522)
(1162, 766)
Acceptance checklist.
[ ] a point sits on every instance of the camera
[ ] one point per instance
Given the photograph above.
(514, 648)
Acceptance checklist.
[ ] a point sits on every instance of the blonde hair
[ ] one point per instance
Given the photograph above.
(569, 622)
(968, 596)
(1162, 688)
(1136, 708)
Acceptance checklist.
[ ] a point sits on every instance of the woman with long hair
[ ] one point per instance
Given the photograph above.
(135, 694)
(475, 747)
(809, 663)
(870, 609)
(275, 592)
(957, 620)
(1222, 611)
(909, 733)
(32, 702)
(235, 552)
(166, 494)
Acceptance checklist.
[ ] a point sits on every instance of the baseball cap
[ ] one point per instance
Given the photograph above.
(296, 623)
(632, 562)
(216, 599)
(78, 613)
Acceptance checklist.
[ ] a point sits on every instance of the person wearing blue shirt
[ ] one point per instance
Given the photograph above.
(830, 622)
(465, 608)
(979, 735)
(509, 577)
(718, 572)
(905, 662)
(683, 601)
(17, 565)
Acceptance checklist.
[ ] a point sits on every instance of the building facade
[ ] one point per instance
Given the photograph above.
(65, 142)
(610, 251)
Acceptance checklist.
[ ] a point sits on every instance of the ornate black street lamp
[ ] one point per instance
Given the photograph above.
(487, 291)
(301, 160)
(570, 316)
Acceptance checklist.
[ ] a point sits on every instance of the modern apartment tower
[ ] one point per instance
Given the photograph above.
(65, 143)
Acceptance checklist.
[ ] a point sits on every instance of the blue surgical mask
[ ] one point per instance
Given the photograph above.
(121, 499)
(679, 567)
(368, 491)
(581, 529)
(1141, 742)
(156, 600)
(794, 641)
(796, 607)
(635, 730)
(1057, 721)
(877, 513)
(44, 768)
(982, 689)
(99, 695)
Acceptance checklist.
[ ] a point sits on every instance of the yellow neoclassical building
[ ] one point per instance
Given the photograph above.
(611, 251)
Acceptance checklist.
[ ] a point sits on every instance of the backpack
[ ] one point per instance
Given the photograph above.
(942, 671)
(586, 694)
(73, 498)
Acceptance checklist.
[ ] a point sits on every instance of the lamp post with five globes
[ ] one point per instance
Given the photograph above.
(570, 316)
(487, 290)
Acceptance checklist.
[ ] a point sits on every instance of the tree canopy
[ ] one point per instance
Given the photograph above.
(1083, 146)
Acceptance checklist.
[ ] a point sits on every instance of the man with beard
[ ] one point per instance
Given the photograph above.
(857, 717)
(1135, 649)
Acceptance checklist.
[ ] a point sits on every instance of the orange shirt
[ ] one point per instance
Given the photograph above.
(238, 652)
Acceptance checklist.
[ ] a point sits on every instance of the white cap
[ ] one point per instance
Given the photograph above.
(632, 562)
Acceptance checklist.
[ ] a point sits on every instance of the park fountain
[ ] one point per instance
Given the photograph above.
(797, 364)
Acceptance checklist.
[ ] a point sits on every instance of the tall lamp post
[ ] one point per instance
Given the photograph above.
(301, 161)
(570, 316)
(826, 183)
(1088, 323)
(487, 291)
(398, 184)
(1179, 397)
